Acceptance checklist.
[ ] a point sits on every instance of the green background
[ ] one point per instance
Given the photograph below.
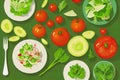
(56, 73)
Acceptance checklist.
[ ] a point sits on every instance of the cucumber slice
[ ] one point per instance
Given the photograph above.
(6, 26)
(14, 38)
(19, 31)
(88, 34)
(70, 13)
(78, 46)
(44, 41)
(44, 3)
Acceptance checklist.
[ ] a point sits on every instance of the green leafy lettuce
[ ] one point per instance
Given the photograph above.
(20, 7)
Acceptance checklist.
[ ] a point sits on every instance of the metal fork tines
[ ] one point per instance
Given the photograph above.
(5, 47)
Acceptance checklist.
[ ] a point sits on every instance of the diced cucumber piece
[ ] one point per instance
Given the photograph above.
(44, 3)
(70, 13)
(44, 41)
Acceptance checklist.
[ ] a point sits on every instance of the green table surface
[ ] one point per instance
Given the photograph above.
(56, 73)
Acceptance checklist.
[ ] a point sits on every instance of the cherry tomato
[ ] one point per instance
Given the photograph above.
(39, 30)
(59, 19)
(76, 1)
(60, 36)
(78, 25)
(41, 16)
(105, 47)
(53, 7)
(50, 23)
(103, 31)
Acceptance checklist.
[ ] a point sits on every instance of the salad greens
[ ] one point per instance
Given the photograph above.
(104, 70)
(76, 72)
(20, 7)
(99, 10)
(62, 5)
(59, 57)
(29, 55)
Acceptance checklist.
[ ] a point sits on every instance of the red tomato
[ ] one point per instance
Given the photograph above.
(50, 23)
(105, 47)
(39, 30)
(77, 25)
(76, 1)
(52, 7)
(59, 19)
(60, 36)
(41, 16)
(103, 31)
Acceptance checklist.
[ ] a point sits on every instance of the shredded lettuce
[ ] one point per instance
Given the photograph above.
(20, 7)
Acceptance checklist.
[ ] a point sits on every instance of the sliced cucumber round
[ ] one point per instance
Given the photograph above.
(19, 31)
(78, 46)
(88, 34)
(14, 38)
(44, 3)
(44, 41)
(70, 13)
(6, 26)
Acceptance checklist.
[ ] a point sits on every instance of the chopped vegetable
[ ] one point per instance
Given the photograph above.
(19, 31)
(14, 38)
(88, 34)
(59, 57)
(29, 55)
(6, 26)
(44, 3)
(99, 10)
(62, 5)
(70, 13)
(104, 70)
(76, 72)
(20, 7)
(44, 41)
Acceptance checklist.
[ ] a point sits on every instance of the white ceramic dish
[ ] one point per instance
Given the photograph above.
(74, 62)
(18, 18)
(35, 68)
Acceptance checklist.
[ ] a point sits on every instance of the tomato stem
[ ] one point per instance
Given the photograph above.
(106, 45)
(60, 32)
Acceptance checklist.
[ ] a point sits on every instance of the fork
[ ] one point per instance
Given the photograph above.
(5, 47)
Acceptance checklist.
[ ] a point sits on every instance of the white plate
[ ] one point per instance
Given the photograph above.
(36, 67)
(18, 18)
(74, 62)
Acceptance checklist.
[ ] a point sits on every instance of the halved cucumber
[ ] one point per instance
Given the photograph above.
(78, 46)
(70, 13)
(6, 26)
(14, 38)
(88, 34)
(44, 3)
(19, 31)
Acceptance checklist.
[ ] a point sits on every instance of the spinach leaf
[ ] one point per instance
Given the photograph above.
(62, 5)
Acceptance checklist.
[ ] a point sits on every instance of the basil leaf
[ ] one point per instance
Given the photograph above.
(62, 5)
